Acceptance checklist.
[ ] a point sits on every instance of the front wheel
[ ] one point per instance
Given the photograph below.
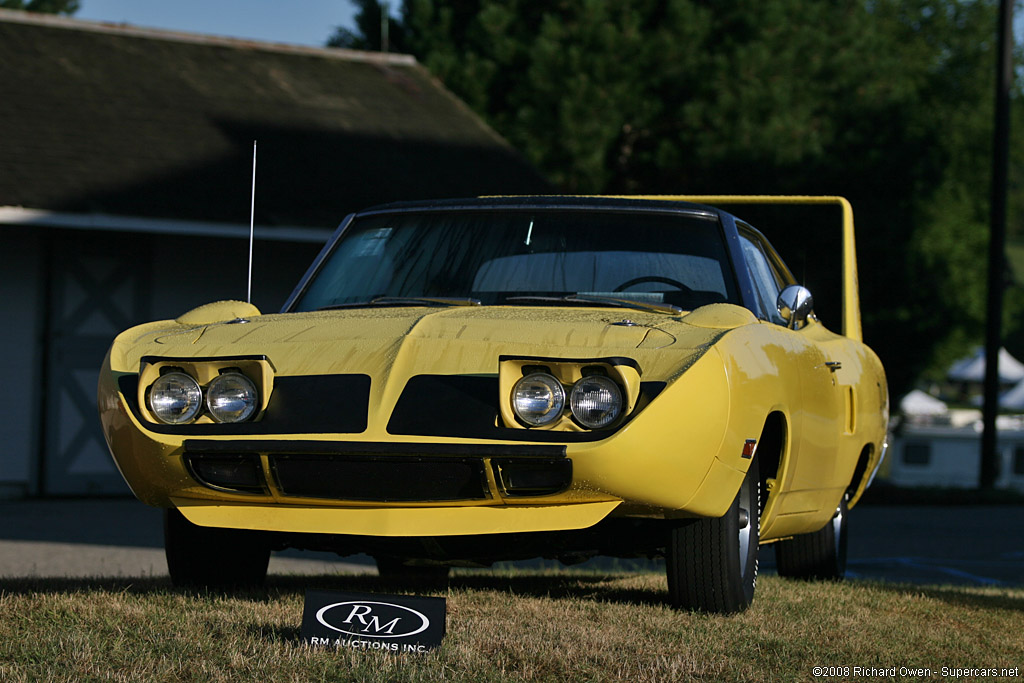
(199, 556)
(711, 563)
(817, 556)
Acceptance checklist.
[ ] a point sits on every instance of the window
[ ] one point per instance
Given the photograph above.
(767, 282)
(495, 256)
(1018, 460)
(917, 453)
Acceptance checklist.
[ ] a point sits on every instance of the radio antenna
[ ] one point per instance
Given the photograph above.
(252, 212)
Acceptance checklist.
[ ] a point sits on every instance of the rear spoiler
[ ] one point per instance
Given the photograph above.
(851, 289)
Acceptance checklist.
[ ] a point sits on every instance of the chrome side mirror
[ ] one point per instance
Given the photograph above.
(795, 305)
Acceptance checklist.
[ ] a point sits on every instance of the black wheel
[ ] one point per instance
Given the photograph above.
(652, 278)
(394, 569)
(199, 556)
(712, 563)
(818, 556)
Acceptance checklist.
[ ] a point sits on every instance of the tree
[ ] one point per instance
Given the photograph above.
(369, 29)
(68, 7)
(887, 102)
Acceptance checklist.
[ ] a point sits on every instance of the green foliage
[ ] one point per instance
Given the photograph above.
(887, 102)
(370, 30)
(42, 6)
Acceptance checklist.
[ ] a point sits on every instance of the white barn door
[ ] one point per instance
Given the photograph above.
(98, 287)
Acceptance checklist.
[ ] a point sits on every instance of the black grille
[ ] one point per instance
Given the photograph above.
(239, 472)
(533, 476)
(428, 402)
(305, 404)
(380, 478)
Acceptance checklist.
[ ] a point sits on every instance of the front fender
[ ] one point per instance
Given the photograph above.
(673, 457)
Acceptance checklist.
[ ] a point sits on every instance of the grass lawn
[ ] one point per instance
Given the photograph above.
(531, 626)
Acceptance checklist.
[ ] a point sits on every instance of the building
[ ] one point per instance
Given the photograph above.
(948, 456)
(935, 446)
(125, 179)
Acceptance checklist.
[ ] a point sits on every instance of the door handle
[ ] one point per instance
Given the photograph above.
(833, 365)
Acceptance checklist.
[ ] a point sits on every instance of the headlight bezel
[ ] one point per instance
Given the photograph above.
(257, 369)
(623, 372)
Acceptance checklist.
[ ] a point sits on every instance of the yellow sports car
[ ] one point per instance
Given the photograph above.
(458, 382)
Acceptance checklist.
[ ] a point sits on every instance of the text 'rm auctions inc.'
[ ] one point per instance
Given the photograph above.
(890, 672)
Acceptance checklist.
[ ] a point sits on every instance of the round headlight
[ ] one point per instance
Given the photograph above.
(538, 399)
(595, 401)
(175, 398)
(231, 397)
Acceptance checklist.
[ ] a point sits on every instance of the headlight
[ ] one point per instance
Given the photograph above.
(538, 399)
(175, 398)
(595, 401)
(231, 397)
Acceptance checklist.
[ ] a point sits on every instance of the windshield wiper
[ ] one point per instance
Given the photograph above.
(582, 299)
(406, 301)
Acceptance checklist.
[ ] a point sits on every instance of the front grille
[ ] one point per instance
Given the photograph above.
(533, 476)
(380, 478)
(240, 472)
(391, 471)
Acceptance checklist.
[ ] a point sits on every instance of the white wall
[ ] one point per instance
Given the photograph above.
(953, 458)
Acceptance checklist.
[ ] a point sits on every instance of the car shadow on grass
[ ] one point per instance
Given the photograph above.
(57, 586)
(582, 586)
(596, 587)
(960, 596)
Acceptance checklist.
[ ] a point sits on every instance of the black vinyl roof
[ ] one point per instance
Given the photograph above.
(551, 202)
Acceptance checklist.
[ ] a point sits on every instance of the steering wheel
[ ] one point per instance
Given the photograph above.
(652, 278)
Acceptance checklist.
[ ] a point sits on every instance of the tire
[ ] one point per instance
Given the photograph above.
(394, 570)
(711, 563)
(820, 556)
(208, 557)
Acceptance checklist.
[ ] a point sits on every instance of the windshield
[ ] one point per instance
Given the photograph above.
(521, 257)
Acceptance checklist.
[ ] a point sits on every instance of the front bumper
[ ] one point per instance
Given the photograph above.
(658, 465)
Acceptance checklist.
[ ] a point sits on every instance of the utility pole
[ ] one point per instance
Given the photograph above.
(989, 470)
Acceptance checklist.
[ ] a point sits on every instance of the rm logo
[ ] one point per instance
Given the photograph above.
(373, 621)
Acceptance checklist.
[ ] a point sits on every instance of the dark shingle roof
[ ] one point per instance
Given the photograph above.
(98, 118)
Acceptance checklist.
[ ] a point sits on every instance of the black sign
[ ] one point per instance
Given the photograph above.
(365, 621)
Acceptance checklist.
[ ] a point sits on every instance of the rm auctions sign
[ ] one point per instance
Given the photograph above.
(365, 621)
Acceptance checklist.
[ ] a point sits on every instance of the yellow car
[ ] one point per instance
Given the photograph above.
(454, 383)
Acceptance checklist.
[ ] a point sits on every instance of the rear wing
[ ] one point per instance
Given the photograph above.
(851, 289)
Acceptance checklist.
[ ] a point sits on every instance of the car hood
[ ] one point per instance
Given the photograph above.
(452, 340)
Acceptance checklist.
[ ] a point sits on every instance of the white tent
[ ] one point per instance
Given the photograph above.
(1014, 398)
(918, 402)
(972, 368)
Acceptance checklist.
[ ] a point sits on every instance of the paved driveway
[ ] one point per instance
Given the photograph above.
(967, 544)
(110, 538)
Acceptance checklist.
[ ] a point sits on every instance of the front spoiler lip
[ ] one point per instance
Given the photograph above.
(396, 521)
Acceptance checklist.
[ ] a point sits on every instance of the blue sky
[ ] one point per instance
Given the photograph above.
(303, 22)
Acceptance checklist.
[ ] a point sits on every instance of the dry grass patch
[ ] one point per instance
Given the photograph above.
(543, 626)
